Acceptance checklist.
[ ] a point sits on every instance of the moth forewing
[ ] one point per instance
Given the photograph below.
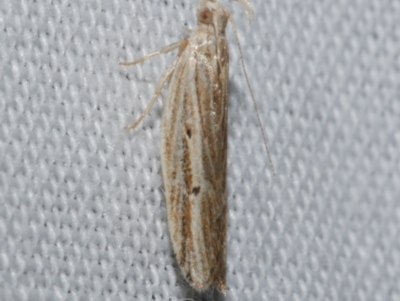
(194, 147)
(194, 158)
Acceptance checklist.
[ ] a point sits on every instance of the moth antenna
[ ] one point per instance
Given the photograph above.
(247, 9)
(251, 92)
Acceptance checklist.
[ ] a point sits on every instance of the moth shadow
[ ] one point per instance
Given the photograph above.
(237, 98)
(190, 294)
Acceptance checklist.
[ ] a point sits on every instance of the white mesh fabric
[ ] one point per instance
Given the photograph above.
(82, 209)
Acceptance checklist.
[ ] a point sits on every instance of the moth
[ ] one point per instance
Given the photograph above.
(194, 145)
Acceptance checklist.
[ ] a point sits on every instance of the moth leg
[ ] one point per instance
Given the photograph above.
(163, 50)
(164, 78)
(182, 44)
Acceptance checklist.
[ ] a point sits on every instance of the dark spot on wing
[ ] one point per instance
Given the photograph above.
(189, 132)
(196, 190)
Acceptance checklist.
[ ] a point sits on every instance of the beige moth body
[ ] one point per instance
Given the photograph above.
(194, 147)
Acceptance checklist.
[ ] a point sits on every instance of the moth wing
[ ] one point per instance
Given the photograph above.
(194, 160)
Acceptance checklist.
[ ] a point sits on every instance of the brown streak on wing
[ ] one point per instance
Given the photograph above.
(194, 150)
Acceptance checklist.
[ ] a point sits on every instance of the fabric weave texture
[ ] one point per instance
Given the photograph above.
(82, 210)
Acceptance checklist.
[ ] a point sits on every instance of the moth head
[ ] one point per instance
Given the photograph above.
(209, 12)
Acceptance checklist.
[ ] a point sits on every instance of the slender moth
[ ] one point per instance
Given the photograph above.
(194, 145)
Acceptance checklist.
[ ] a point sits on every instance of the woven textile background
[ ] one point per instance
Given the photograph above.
(82, 210)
